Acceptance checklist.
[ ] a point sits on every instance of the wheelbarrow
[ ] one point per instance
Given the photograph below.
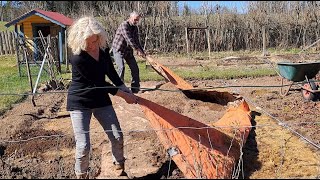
(302, 74)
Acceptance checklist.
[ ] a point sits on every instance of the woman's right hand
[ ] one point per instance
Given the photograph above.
(128, 97)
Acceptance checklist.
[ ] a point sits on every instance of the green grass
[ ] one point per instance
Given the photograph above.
(4, 28)
(10, 82)
(230, 73)
(202, 73)
(13, 87)
(213, 55)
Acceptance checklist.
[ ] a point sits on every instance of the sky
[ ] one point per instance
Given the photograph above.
(240, 5)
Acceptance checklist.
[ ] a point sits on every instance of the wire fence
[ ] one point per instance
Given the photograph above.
(58, 139)
(57, 142)
(239, 170)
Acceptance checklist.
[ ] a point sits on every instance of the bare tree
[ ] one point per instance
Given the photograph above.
(288, 24)
(1, 11)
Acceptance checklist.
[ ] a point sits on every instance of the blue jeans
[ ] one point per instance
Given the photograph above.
(132, 63)
(81, 125)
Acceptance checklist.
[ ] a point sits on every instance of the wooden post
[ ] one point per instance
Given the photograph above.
(187, 40)
(16, 36)
(60, 49)
(208, 40)
(66, 50)
(264, 51)
(28, 67)
(194, 36)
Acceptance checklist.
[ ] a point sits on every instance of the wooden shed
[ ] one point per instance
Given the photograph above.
(29, 24)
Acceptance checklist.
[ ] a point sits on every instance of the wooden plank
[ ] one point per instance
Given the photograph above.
(27, 27)
(14, 49)
(10, 42)
(208, 40)
(187, 40)
(264, 46)
(4, 43)
(1, 44)
(7, 42)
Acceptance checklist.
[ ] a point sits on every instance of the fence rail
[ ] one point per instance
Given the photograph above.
(7, 43)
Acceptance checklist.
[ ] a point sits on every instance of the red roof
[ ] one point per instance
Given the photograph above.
(56, 16)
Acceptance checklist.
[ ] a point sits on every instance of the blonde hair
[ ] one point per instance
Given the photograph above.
(82, 29)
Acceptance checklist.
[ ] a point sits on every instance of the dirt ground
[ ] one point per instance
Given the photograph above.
(37, 142)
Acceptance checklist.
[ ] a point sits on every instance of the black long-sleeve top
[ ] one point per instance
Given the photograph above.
(88, 79)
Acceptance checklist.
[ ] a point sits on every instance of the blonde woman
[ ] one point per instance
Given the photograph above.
(89, 92)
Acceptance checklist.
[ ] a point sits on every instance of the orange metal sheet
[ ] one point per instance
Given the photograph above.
(203, 151)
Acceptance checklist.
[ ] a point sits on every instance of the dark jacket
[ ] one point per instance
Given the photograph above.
(88, 88)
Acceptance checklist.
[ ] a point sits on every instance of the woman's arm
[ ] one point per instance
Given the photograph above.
(83, 68)
(113, 75)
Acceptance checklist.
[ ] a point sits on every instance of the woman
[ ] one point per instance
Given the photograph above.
(89, 92)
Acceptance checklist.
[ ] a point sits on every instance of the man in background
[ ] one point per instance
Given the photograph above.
(125, 41)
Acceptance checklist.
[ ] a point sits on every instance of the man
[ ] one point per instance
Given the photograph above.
(125, 41)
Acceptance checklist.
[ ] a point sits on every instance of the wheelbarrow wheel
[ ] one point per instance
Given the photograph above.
(307, 95)
(284, 91)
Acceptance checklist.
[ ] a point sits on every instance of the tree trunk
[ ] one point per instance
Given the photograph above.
(1, 11)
